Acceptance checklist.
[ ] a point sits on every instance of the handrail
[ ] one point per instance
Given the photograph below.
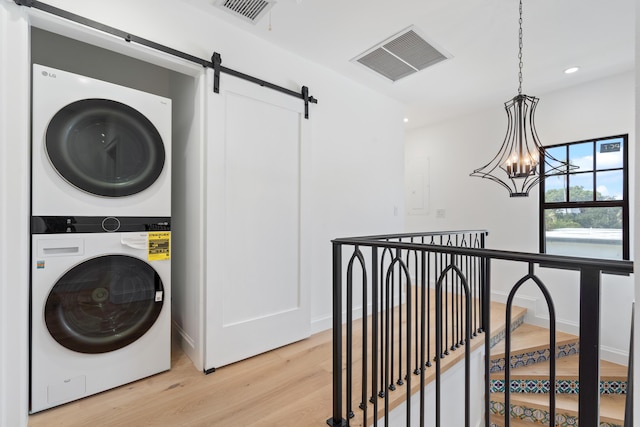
(628, 410)
(545, 260)
(409, 235)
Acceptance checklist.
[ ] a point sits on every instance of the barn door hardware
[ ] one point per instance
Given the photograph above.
(215, 63)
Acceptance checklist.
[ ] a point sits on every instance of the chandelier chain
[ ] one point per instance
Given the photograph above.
(520, 161)
(520, 53)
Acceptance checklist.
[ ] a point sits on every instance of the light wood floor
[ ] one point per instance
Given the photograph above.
(278, 388)
(290, 386)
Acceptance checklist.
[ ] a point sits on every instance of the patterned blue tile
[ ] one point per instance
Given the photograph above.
(538, 416)
(562, 386)
(531, 357)
(515, 324)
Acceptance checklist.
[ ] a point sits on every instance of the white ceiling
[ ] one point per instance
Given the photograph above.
(480, 35)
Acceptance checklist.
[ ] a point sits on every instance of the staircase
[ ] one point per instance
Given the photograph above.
(530, 385)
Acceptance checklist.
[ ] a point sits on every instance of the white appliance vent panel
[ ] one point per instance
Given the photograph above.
(383, 62)
(249, 10)
(401, 55)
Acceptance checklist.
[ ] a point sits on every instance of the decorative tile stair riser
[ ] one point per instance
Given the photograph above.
(530, 386)
(500, 336)
(531, 357)
(538, 416)
(562, 386)
(571, 425)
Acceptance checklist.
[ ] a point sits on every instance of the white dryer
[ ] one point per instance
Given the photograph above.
(100, 314)
(98, 148)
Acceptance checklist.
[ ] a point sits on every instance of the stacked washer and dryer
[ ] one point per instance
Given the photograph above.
(101, 236)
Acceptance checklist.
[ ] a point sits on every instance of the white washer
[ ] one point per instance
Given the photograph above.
(98, 148)
(100, 314)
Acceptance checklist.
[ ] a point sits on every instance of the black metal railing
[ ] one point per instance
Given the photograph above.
(413, 300)
(628, 409)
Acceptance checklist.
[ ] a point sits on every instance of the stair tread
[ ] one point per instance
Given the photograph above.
(531, 338)
(566, 368)
(498, 309)
(611, 406)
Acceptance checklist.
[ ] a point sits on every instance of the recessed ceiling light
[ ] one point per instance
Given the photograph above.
(406, 120)
(571, 70)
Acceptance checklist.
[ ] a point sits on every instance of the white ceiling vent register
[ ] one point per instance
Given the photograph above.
(249, 10)
(401, 55)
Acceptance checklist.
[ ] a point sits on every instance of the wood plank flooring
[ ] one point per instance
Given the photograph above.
(278, 388)
(289, 386)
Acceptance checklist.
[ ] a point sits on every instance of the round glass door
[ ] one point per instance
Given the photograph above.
(105, 147)
(104, 304)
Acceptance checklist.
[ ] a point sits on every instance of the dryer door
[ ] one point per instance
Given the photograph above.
(105, 147)
(104, 304)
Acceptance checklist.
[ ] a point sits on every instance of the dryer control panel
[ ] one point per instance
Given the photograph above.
(97, 224)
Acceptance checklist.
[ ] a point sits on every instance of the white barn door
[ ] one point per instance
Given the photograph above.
(257, 240)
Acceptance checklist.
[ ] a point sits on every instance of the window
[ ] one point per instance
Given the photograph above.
(585, 211)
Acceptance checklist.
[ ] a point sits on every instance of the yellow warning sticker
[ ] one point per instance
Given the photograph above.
(159, 246)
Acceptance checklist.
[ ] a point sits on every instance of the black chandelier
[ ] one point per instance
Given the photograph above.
(517, 165)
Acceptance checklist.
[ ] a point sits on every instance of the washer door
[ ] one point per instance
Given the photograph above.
(105, 147)
(104, 304)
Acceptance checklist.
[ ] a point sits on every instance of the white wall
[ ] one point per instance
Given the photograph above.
(457, 147)
(357, 144)
(452, 385)
(355, 178)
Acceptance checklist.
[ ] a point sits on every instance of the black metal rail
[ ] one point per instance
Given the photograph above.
(399, 281)
(628, 412)
(215, 62)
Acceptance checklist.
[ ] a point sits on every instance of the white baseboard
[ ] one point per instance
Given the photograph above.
(614, 355)
(526, 302)
(321, 323)
(542, 319)
(188, 345)
(183, 336)
(325, 322)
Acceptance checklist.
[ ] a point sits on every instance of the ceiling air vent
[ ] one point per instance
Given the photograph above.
(249, 10)
(401, 55)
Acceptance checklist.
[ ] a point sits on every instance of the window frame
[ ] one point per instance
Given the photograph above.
(624, 203)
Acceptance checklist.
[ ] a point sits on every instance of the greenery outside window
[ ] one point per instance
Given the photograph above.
(585, 211)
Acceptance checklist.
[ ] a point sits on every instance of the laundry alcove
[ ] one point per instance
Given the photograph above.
(240, 233)
(66, 53)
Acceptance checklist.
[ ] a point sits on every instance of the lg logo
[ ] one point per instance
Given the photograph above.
(44, 73)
